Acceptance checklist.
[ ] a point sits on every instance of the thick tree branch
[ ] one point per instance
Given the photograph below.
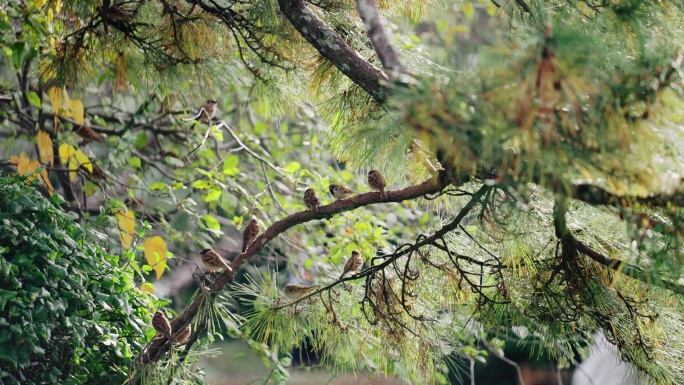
(368, 10)
(595, 195)
(421, 242)
(160, 346)
(333, 47)
(563, 233)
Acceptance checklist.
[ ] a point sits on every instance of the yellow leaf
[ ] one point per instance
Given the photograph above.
(147, 288)
(55, 95)
(77, 111)
(83, 161)
(66, 151)
(39, 3)
(155, 253)
(67, 154)
(125, 221)
(27, 166)
(45, 147)
(44, 177)
(22, 161)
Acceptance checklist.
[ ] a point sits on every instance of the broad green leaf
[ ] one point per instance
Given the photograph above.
(134, 161)
(213, 195)
(211, 222)
(34, 99)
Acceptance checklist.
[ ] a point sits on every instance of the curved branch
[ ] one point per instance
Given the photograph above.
(368, 10)
(333, 47)
(635, 272)
(160, 346)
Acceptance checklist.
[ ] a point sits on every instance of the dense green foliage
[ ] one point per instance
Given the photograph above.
(68, 313)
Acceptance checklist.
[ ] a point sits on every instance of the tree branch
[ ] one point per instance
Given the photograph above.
(595, 195)
(368, 10)
(333, 47)
(635, 272)
(160, 346)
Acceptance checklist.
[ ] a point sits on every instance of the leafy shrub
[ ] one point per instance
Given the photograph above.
(68, 313)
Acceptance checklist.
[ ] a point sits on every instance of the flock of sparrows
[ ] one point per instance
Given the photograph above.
(214, 262)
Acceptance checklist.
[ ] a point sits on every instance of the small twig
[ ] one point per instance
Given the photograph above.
(252, 153)
(506, 360)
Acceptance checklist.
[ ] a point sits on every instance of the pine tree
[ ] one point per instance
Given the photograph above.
(543, 136)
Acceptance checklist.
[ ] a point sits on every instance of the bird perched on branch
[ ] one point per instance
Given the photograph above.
(183, 335)
(377, 182)
(213, 261)
(162, 325)
(298, 291)
(205, 114)
(312, 200)
(340, 192)
(251, 233)
(353, 264)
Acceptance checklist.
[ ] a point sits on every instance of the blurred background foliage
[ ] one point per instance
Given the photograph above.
(535, 103)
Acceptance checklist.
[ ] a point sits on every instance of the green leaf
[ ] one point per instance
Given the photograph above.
(213, 195)
(230, 165)
(6, 295)
(293, 167)
(158, 186)
(141, 140)
(211, 222)
(134, 161)
(202, 184)
(18, 53)
(260, 127)
(34, 99)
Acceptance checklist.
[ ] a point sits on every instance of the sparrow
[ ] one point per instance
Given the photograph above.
(206, 113)
(340, 192)
(213, 261)
(183, 335)
(353, 264)
(97, 176)
(209, 111)
(312, 200)
(298, 291)
(162, 325)
(88, 134)
(377, 182)
(250, 233)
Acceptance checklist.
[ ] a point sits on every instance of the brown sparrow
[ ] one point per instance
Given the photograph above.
(298, 291)
(312, 200)
(88, 134)
(206, 113)
(209, 111)
(183, 335)
(250, 233)
(340, 192)
(213, 261)
(97, 176)
(377, 182)
(162, 325)
(353, 264)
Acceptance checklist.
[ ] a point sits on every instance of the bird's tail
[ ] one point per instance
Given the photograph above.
(383, 193)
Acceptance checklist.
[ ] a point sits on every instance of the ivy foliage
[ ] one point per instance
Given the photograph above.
(68, 313)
